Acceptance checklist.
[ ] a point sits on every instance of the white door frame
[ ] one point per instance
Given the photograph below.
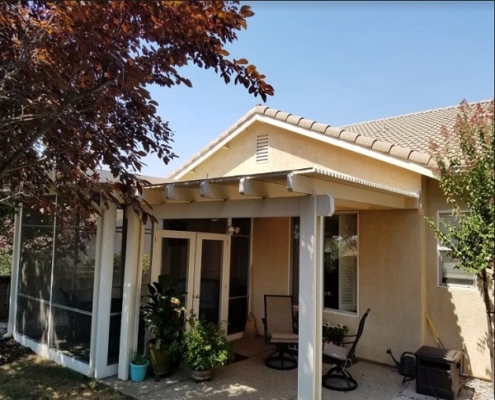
(194, 266)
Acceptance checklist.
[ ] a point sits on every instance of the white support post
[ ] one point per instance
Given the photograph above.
(105, 290)
(14, 273)
(132, 272)
(96, 295)
(310, 301)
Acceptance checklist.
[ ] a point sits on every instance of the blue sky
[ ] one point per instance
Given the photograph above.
(340, 63)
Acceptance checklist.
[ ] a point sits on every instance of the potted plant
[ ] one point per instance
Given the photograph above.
(139, 366)
(164, 317)
(204, 346)
(334, 334)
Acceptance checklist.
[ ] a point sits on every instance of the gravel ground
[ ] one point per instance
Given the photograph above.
(483, 390)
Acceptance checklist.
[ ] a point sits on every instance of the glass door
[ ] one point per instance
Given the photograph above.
(173, 262)
(211, 276)
(196, 264)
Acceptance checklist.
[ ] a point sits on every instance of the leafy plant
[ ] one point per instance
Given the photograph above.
(163, 314)
(466, 176)
(138, 358)
(334, 334)
(204, 346)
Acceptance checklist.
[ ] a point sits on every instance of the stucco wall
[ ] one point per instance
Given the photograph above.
(270, 265)
(457, 313)
(288, 150)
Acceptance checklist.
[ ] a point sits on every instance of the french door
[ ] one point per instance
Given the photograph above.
(198, 265)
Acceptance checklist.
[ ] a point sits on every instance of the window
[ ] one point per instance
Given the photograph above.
(340, 253)
(448, 274)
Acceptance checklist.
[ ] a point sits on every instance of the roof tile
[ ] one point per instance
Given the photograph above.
(349, 136)
(319, 127)
(294, 119)
(400, 152)
(365, 141)
(306, 123)
(271, 112)
(335, 132)
(260, 109)
(384, 147)
(419, 157)
(282, 116)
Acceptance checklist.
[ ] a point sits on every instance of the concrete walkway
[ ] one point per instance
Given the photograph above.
(251, 379)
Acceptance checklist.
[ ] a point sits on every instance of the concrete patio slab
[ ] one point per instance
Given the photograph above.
(251, 379)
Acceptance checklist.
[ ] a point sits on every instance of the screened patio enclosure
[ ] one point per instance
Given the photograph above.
(77, 296)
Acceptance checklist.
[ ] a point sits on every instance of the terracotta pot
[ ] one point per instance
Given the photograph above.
(200, 376)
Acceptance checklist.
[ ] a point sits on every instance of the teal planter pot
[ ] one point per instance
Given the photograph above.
(138, 372)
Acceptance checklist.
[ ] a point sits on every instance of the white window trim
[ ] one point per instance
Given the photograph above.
(439, 248)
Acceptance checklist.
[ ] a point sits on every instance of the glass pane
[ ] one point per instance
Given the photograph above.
(32, 319)
(211, 273)
(237, 315)
(239, 266)
(244, 225)
(71, 332)
(340, 262)
(174, 263)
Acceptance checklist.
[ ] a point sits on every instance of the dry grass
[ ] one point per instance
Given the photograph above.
(31, 377)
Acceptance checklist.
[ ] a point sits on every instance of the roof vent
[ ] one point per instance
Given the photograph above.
(262, 149)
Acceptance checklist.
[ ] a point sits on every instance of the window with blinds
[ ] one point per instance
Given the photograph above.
(447, 271)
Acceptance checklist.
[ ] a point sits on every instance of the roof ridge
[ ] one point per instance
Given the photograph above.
(411, 114)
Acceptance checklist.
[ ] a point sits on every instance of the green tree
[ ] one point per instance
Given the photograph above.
(466, 176)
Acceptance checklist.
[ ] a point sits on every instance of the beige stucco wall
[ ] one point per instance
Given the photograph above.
(390, 283)
(457, 313)
(288, 150)
(270, 262)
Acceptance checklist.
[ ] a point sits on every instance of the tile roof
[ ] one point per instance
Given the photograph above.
(406, 137)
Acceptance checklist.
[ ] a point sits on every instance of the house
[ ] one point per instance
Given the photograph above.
(277, 204)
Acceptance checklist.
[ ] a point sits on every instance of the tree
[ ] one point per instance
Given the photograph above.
(466, 176)
(73, 97)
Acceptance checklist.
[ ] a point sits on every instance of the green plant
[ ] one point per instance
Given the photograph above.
(334, 334)
(138, 358)
(163, 314)
(204, 346)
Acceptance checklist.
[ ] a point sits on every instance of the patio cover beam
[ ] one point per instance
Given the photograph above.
(303, 184)
(253, 208)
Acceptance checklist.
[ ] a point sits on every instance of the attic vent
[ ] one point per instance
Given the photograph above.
(262, 149)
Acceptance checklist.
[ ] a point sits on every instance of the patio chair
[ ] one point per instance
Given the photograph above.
(279, 331)
(338, 378)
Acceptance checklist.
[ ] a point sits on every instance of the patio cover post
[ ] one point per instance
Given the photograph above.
(132, 291)
(310, 298)
(102, 316)
(14, 273)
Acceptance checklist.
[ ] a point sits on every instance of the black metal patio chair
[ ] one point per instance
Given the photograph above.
(338, 378)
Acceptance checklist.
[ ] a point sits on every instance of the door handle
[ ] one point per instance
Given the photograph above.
(197, 296)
